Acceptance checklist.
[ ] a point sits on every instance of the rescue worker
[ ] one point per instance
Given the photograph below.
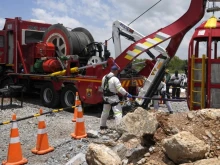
(111, 86)
(176, 81)
(167, 79)
(161, 90)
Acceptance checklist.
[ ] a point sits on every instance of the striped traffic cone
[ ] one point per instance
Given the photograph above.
(76, 104)
(14, 149)
(42, 146)
(80, 131)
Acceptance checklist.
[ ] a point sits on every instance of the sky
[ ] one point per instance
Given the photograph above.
(97, 16)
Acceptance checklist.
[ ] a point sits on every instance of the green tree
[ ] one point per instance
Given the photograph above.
(177, 64)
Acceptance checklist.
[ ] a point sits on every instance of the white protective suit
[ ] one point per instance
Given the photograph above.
(115, 87)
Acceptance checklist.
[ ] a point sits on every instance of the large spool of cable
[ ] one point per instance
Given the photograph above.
(68, 42)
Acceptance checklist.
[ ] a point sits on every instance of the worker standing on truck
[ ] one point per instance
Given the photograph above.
(161, 90)
(111, 86)
(176, 81)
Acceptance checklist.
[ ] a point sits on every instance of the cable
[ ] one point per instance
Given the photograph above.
(140, 15)
(144, 12)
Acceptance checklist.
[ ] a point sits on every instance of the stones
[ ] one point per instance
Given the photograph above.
(174, 130)
(92, 134)
(142, 161)
(212, 161)
(190, 115)
(138, 123)
(212, 114)
(77, 160)
(151, 149)
(121, 150)
(208, 134)
(184, 147)
(205, 137)
(100, 155)
(147, 154)
(135, 154)
(154, 162)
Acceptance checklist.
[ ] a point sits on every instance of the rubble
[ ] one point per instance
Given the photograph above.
(101, 155)
(212, 161)
(176, 138)
(131, 145)
(184, 147)
(79, 159)
(139, 123)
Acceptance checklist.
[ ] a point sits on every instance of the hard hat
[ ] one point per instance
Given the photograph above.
(167, 70)
(114, 67)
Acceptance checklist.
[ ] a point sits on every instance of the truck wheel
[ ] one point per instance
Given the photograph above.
(49, 96)
(68, 95)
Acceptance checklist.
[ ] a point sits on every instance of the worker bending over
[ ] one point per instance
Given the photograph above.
(111, 87)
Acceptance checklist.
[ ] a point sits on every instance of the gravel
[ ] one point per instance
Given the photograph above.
(59, 128)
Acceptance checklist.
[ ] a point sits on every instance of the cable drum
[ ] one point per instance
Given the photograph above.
(70, 42)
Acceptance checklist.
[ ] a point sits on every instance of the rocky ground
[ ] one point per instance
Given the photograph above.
(60, 126)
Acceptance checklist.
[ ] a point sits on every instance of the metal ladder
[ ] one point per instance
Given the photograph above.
(202, 81)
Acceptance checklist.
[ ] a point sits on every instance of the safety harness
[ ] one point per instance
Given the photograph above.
(107, 92)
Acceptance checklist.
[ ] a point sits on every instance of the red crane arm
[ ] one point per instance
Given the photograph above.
(174, 31)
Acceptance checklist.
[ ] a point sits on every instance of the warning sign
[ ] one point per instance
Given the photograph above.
(88, 92)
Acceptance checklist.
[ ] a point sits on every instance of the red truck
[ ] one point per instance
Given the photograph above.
(56, 62)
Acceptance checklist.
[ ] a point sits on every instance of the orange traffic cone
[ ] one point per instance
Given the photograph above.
(76, 104)
(14, 149)
(80, 131)
(42, 146)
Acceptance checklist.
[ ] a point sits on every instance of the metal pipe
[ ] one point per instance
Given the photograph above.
(89, 66)
(75, 69)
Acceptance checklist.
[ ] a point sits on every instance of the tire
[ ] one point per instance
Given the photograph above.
(68, 95)
(49, 96)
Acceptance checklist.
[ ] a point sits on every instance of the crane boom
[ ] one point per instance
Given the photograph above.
(175, 32)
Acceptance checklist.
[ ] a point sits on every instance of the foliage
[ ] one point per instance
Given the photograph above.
(175, 64)
(139, 66)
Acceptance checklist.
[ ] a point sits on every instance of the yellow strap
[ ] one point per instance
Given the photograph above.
(37, 114)
(6, 122)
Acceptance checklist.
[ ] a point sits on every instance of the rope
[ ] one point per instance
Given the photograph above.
(140, 15)
(35, 115)
(151, 98)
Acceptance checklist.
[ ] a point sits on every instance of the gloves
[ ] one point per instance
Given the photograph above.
(129, 95)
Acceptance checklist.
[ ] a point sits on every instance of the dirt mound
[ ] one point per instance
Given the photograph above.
(205, 129)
